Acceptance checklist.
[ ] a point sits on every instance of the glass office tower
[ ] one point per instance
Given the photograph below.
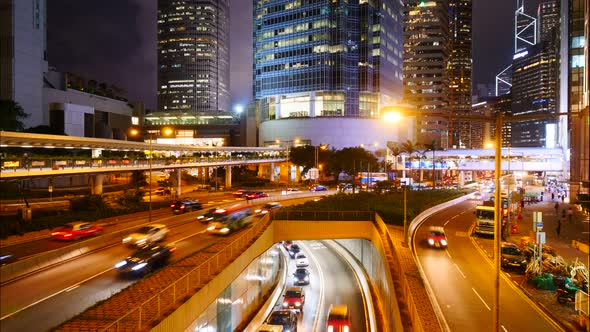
(326, 58)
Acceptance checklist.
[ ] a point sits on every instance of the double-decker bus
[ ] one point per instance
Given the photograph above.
(230, 219)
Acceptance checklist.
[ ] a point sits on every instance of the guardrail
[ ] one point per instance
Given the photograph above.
(167, 298)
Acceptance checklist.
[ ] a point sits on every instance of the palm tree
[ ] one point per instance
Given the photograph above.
(396, 151)
(432, 147)
(421, 155)
(409, 148)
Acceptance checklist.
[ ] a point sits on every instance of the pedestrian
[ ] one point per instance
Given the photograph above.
(570, 214)
(558, 228)
(556, 207)
(542, 194)
(552, 196)
(563, 198)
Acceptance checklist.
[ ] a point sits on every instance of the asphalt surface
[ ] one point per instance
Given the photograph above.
(462, 279)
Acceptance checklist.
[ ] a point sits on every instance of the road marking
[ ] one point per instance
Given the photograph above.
(71, 288)
(55, 294)
(321, 296)
(503, 328)
(458, 269)
(484, 302)
(449, 254)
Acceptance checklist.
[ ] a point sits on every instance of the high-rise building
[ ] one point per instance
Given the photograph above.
(325, 60)
(548, 22)
(459, 71)
(426, 49)
(193, 56)
(23, 56)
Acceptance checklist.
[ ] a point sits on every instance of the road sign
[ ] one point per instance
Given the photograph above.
(540, 237)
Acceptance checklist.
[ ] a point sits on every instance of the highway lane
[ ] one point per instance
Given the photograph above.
(462, 280)
(332, 281)
(78, 284)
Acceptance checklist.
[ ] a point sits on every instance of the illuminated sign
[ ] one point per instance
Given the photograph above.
(520, 55)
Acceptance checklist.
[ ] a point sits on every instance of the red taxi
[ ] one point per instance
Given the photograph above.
(75, 230)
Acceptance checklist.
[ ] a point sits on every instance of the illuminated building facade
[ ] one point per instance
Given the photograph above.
(459, 71)
(193, 56)
(426, 50)
(321, 58)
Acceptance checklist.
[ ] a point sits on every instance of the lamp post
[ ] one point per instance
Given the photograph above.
(317, 158)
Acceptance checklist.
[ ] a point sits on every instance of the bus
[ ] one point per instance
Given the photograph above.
(230, 219)
(370, 178)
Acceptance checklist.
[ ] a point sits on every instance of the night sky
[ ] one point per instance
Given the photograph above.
(115, 41)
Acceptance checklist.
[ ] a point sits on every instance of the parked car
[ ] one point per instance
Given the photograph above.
(294, 249)
(301, 260)
(208, 216)
(76, 230)
(145, 260)
(256, 194)
(301, 277)
(436, 237)
(185, 205)
(147, 235)
(317, 187)
(294, 298)
(286, 318)
(512, 257)
(266, 208)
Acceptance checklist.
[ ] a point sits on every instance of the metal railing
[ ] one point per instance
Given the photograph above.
(166, 299)
(323, 215)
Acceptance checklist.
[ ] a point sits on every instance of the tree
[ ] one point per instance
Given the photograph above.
(396, 151)
(11, 115)
(432, 147)
(409, 148)
(303, 156)
(346, 161)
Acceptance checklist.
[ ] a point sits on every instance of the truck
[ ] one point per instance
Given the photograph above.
(484, 220)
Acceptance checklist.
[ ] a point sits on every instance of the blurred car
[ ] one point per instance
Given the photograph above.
(147, 235)
(75, 230)
(287, 244)
(317, 187)
(145, 259)
(207, 216)
(294, 298)
(241, 193)
(301, 260)
(294, 249)
(338, 319)
(256, 194)
(270, 328)
(436, 237)
(285, 318)
(477, 196)
(345, 187)
(185, 205)
(162, 191)
(290, 191)
(301, 276)
(266, 208)
(6, 258)
(512, 257)
(319, 198)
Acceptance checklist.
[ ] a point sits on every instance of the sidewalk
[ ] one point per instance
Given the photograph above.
(576, 230)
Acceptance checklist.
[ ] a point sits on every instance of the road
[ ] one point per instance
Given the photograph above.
(462, 279)
(81, 282)
(332, 281)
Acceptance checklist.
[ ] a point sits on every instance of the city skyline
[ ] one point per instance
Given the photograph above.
(130, 59)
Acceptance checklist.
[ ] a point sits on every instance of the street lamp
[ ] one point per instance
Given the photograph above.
(317, 158)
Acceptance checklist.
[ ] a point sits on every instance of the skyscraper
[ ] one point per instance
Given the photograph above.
(23, 56)
(459, 71)
(426, 50)
(325, 59)
(548, 21)
(193, 56)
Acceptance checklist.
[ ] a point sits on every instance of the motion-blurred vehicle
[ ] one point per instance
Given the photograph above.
(317, 187)
(290, 191)
(75, 231)
(512, 257)
(286, 318)
(145, 259)
(478, 196)
(207, 216)
(241, 193)
(294, 298)
(256, 194)
(270, 328)
(345, 187)
(294, 249)
(287, 244)
(185, 205)
(230, 219)
(147, 235)
(162, 191)
(436, 237)
(301, 260)
(338, 318)
(301, 277)
(266, 208)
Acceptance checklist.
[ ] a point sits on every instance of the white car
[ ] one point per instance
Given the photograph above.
(147, 235)
(301, 260)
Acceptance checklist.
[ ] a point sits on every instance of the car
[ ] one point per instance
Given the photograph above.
(478, 196)
(338, 318)
(145, 259)
(285, 318)
(436, 237)
(185, 205)
(256, 194)
(317, 187)
(287, 244)
(301, 260)
(162, 191)
(301, 276)
(294, 249)
(147, 235)
(207, 216)
(343, 187)
(270, 328)
(241, 193)
(512, 257)
(294, 298)
(290, 191)
(76, 230)
(266, 208)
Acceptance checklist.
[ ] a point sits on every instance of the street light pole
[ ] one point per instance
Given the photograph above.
(497, 221)
(150, 178)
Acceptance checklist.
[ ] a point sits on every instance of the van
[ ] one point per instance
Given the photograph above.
(338, 319)
(270, 328)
